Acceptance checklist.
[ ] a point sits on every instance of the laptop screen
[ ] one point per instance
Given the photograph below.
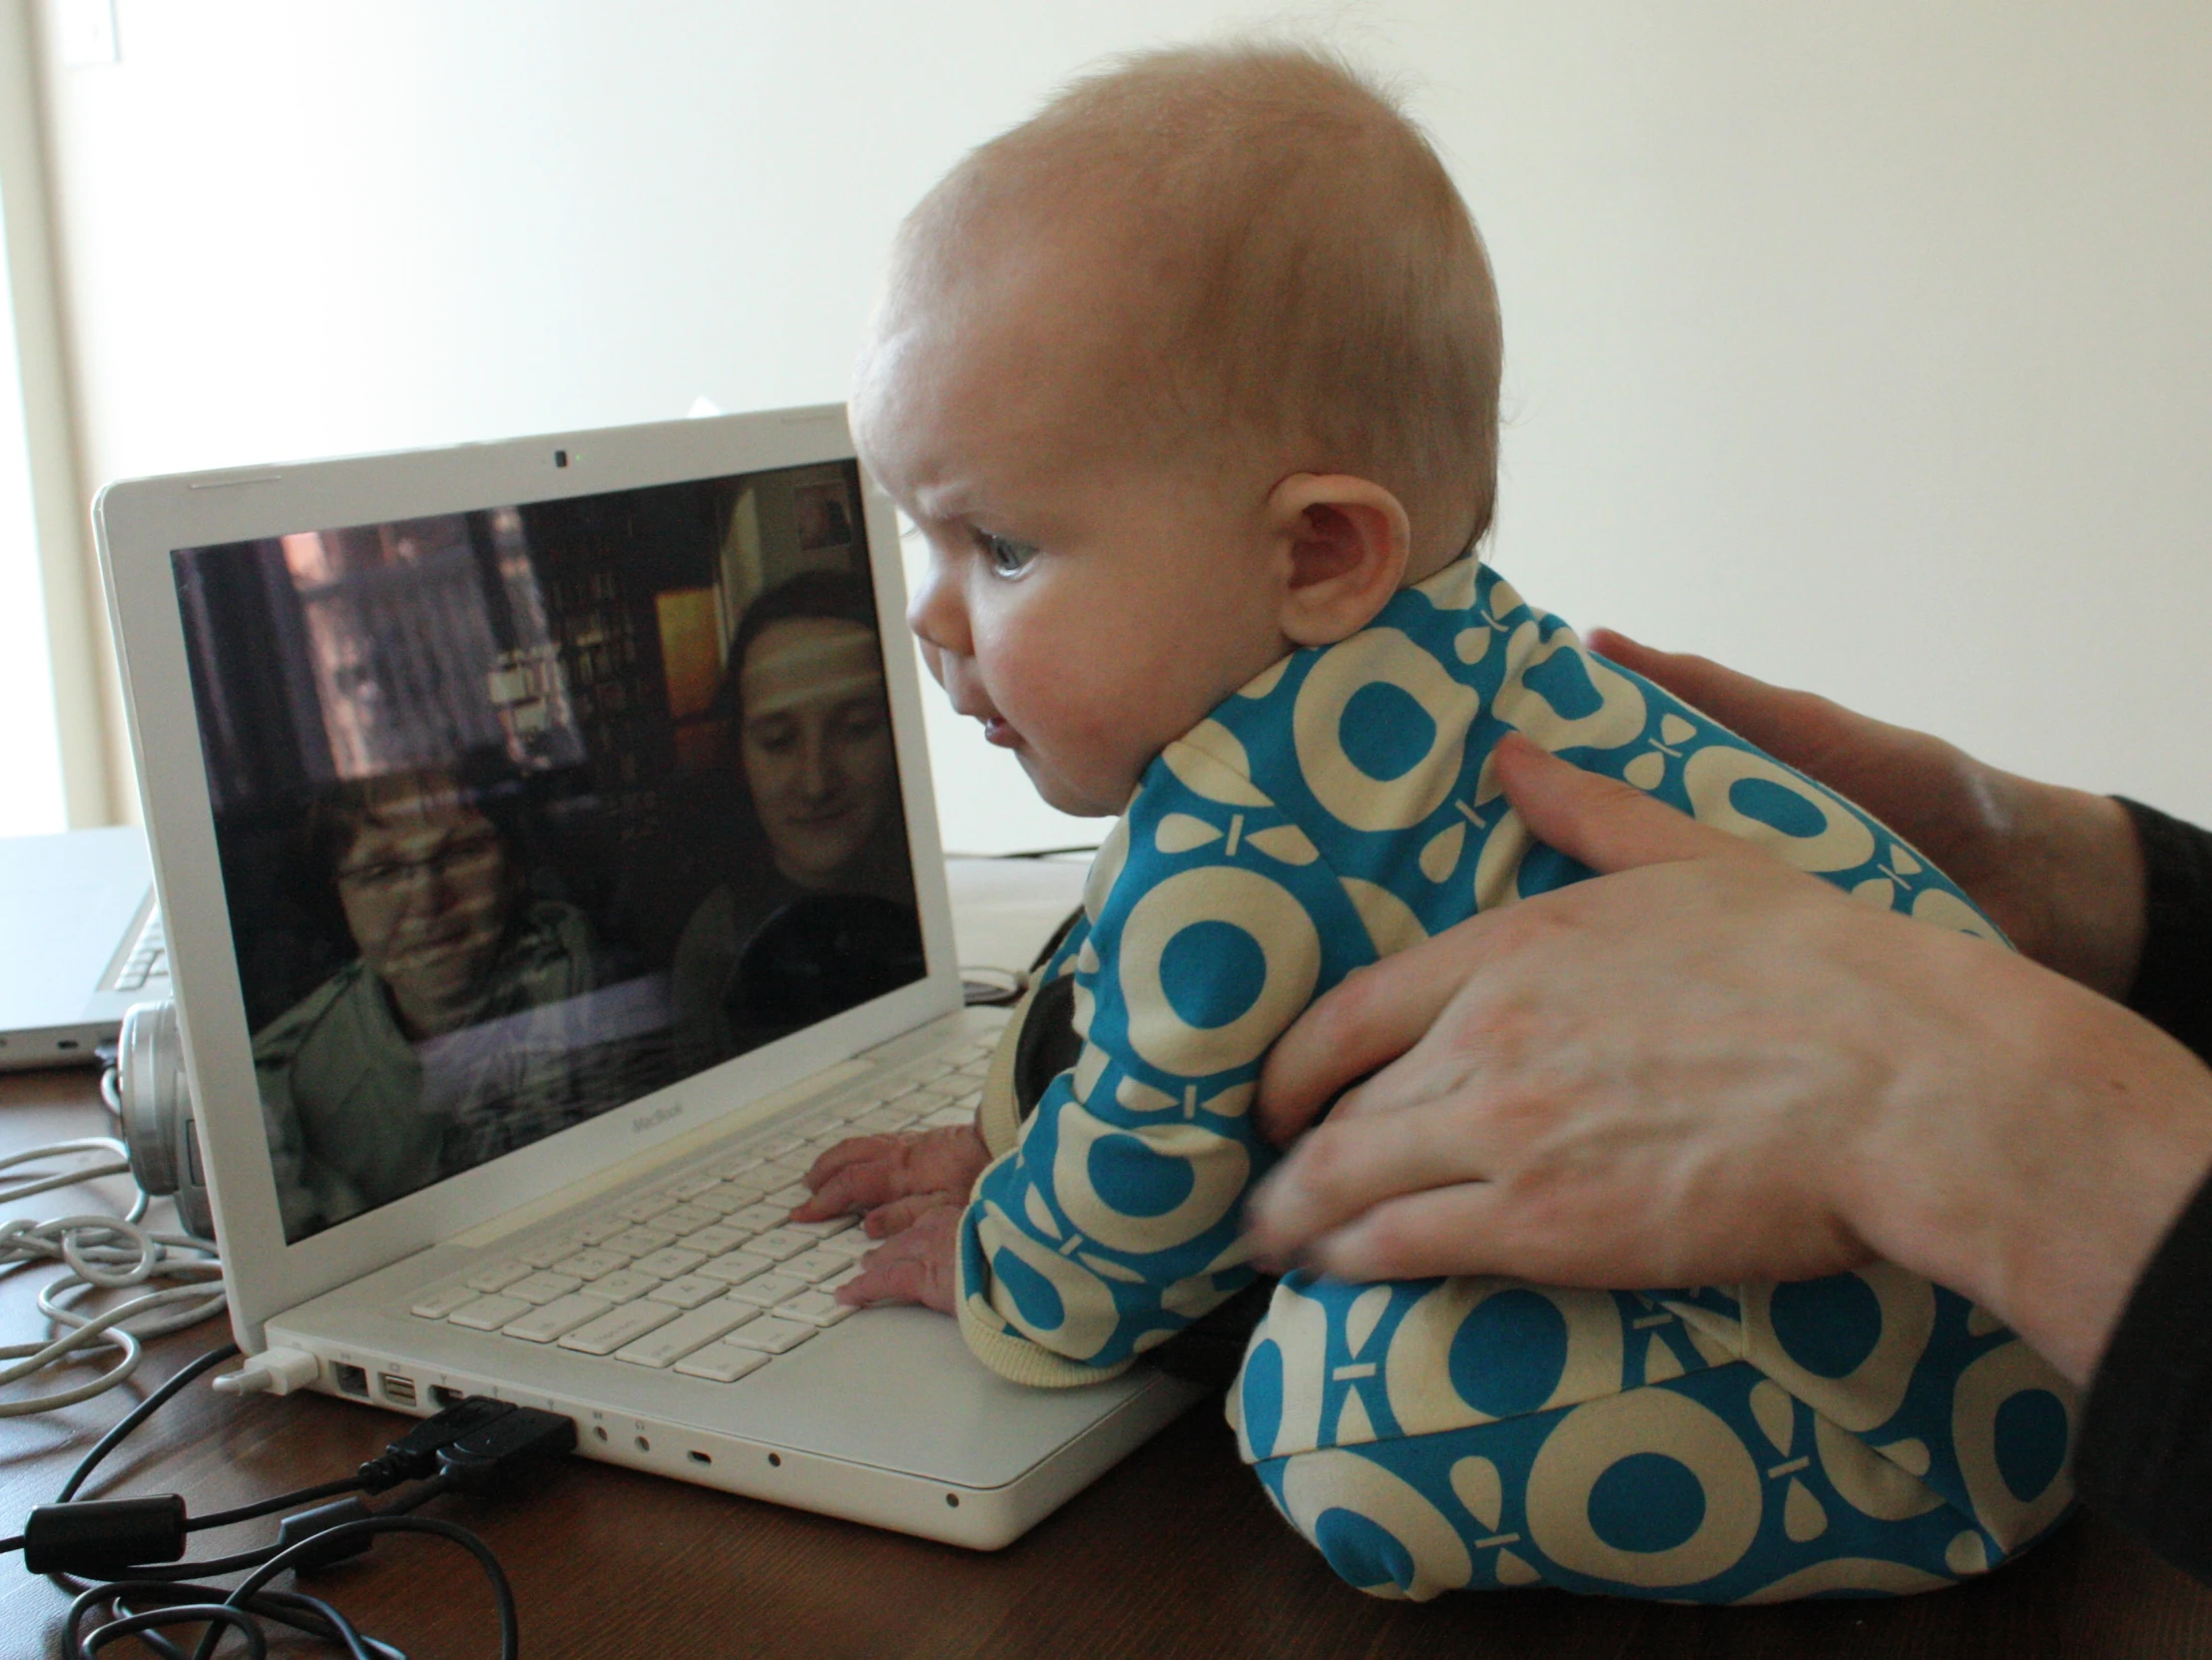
(528, 811)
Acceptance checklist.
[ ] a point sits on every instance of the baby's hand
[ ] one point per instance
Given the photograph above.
(916, 1265)
(894, 1179)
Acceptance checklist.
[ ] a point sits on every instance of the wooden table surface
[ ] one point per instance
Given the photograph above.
(1174, 1553)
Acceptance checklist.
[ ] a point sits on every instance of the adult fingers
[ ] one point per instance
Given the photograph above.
(1367, 1019)
(1800, 727)
(1607, 824)
(1346, 1168)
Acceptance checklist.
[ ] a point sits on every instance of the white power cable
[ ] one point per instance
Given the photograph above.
(101, 1253)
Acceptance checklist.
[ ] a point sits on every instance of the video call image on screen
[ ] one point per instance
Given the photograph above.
(526, 813)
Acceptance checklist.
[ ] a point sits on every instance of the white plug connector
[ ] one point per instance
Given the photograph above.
(278, 1370)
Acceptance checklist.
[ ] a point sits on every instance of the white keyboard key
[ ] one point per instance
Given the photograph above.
(543, 1287)
(779, 1243)
(824, 1228)
(734, 1268)
(638, 1242)
(816, 1307)
(816, 1265)
(771, 1336)
(791, 1198)
(768, 1290)
(499, 1276)
(845, 1277)
(683, 1217)
(622, 1285)
(949, 1118)
(686, 1332)
(722, 1362)
(755, 1217)
(777, 1146)
(851, 1244)
(556, 1319)
(589, 1265)
(779, 1173)
(617, 1326)
(438, 1304)
(666, 1265)
(649, 1206)
(601, 1228)
(691, 1187)
(688, 1292)
(731, 1168)
(728, 1197)
(488, 1314)
(713, 1241)
(552, 1250)
(882, 1121)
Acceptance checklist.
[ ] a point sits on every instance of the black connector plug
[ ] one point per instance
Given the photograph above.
(103, 1538)
(308, 1523)
(506, 1449)
(414, 1455)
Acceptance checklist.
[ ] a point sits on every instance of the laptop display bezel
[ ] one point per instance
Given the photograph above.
(139, 523)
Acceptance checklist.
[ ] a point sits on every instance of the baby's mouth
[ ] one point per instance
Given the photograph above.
(1000, 730)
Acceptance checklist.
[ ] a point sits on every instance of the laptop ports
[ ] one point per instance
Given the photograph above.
(400, 1391)
(351, 1379)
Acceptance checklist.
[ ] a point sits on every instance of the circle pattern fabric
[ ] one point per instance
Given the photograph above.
(1864, 1434)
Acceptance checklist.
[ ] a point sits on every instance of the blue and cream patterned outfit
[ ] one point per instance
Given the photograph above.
(1864, 1433)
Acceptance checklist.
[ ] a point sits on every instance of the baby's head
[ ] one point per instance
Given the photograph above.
(1197, 367)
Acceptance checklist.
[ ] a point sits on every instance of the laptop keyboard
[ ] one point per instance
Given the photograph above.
(148, 958)
(703, 1271)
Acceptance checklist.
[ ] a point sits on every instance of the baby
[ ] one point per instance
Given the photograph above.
(1190, 384)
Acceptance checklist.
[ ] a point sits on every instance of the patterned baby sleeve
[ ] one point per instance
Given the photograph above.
(1115, 1220)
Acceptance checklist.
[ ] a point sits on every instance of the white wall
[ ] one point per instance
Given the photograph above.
(30, 740)
(1868, 347)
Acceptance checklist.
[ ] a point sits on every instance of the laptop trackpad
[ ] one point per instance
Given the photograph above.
(897, 1388)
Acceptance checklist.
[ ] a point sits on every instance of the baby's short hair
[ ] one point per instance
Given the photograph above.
(1315, 277)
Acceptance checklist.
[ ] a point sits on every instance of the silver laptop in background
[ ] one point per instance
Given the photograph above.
(79, 942)
(545, 841)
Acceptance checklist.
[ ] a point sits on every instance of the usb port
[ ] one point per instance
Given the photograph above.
(400, 1391)
(443, 1395)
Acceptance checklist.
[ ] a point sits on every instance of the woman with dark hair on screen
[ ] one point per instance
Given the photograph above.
(367, 1082)
(810, 729)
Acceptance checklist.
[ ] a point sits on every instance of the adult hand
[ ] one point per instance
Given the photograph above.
(1710, 1067)
(2057, 870)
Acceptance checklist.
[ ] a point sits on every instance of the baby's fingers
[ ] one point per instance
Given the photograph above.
(887, 1221)
(855, 1176)
(915, 1266)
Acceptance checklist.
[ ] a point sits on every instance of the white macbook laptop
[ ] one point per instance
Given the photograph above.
(79, 942)
(544, 836)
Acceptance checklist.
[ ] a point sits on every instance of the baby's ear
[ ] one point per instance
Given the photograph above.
(1347, 542)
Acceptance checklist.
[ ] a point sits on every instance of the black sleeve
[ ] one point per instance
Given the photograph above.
(2145, 1452)
(2173, 982)
(2144, 1456)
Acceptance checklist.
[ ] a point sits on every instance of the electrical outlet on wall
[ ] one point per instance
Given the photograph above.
(84, 33)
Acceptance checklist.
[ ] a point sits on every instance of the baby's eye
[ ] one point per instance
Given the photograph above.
(1007, 556)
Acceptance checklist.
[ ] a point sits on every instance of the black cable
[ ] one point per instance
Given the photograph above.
(268, 1507)
(510, 1634)
(422, 1495)
(140, 1414)
(214, 1615)
(293, 1608)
